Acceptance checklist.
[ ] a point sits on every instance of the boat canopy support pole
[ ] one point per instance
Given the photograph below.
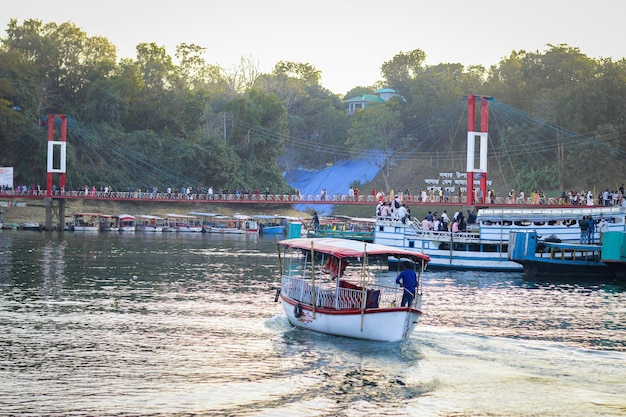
(313, 300)
(364, 290)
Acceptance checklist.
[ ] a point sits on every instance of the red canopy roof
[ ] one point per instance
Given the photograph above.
(344, 248)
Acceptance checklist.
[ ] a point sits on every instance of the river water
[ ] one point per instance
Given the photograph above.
(186, 325)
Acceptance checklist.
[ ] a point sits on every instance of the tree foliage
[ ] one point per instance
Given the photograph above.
(240, 128)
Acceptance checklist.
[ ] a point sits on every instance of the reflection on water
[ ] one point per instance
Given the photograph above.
(186, 324)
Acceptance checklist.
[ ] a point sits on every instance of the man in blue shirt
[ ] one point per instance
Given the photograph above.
(408, 280)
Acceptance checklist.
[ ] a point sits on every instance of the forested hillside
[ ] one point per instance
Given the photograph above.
(561, 114)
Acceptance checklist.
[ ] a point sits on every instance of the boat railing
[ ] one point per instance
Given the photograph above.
(570, 252)
(348, 296)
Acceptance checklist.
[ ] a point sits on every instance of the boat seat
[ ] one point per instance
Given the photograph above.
(372, 298)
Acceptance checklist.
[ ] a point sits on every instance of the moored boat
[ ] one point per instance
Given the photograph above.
(127, 223)
(109, 223)
(33, 226)
(149, 223)
(345, 227)
(484, 245)
(271, 224)
(235, 224)
(183, 223)
(555, 259)
(360, 301)
(86, 222)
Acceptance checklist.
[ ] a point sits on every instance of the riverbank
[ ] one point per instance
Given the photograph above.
(35, 211)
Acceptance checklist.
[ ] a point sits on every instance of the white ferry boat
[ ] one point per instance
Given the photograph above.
(149, 223)
(484, 246)
(128, 223)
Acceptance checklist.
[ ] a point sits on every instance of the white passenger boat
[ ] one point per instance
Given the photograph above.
(109, 223)
(86, 222)
(485, 245)
(183, 223)
(149, 223)
(362, 302)
(235, 224)
(127, 223)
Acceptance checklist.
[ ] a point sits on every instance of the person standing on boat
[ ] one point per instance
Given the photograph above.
(316, 221)
(445, 219)
(591, 229)
(403, 214)
(407, 280)
(584, 236)
(603, 225)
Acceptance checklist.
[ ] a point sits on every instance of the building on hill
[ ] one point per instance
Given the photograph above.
(354, 104)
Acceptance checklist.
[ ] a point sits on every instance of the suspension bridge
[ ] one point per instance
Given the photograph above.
(513, 133)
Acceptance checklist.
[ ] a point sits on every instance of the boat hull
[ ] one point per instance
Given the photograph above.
(229, 230)
(568, 260)
(86, 228)
(381, 324)
(188, 229)
(272, 230)
(149, 228)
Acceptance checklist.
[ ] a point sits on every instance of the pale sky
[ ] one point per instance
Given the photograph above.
(346, 40)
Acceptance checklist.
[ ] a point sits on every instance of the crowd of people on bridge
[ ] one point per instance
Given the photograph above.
(384, 200)
(585, 198)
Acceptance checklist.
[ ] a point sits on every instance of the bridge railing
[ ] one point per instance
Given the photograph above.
(260, 197)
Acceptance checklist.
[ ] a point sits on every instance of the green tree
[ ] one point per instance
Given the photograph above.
(403, 68)
(377, 128)
(258, 135)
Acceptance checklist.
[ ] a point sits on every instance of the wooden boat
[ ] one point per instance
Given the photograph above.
(109, 223)
(33, 226)
(345, 227)
(149, 223)
(128, 223)
(235, 224)
(555, 259)
(86, 222)
(183, 223)
(10, 226)
(484, 245)
(271, 224)
(362, 302)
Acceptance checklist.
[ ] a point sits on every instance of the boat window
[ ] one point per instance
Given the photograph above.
(494, 248)
(539, 223)
(522, 223)
(411, 243)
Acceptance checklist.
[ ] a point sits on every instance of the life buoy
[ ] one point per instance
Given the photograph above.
(297, 311)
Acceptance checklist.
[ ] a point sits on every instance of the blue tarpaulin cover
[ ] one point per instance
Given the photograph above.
(336, 179)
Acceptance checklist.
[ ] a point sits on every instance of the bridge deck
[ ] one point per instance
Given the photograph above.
(289, 199)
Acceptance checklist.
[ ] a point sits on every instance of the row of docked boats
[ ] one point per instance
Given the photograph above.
(194, 222)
